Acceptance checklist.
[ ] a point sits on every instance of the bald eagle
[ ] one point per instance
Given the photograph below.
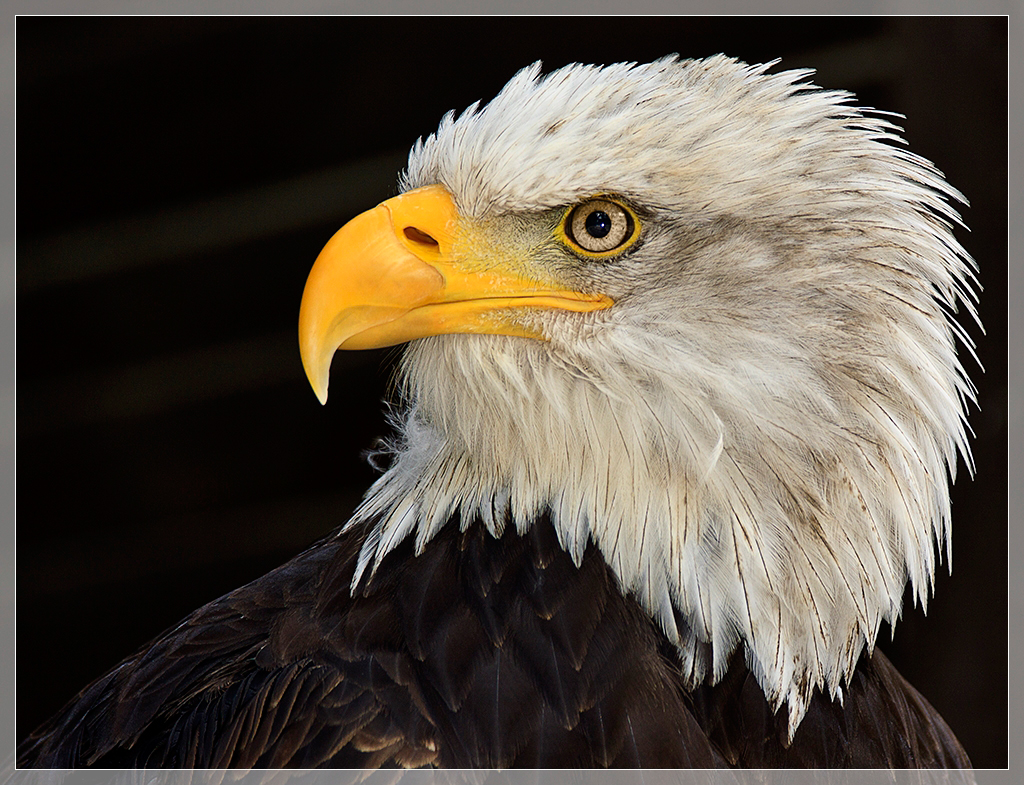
(681, 403)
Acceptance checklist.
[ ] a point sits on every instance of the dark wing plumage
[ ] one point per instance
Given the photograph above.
(882, 722)
(253, 679)
(478, 652)
(250, 680)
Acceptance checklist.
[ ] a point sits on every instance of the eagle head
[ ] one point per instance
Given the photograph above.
(698, 315)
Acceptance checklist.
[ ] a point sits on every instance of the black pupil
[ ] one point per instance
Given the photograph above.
(598, 224)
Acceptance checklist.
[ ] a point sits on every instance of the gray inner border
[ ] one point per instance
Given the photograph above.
(8, 309)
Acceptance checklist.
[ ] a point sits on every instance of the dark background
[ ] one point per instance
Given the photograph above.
(176, 178)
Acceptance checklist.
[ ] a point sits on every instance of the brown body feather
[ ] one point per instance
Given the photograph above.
(479, 652)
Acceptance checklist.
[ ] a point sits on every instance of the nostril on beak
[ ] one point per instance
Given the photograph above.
(418, 236)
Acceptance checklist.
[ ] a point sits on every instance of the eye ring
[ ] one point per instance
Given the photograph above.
(599, 227)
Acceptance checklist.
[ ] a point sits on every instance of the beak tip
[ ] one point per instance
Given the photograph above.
(319, 382)
(318, 374)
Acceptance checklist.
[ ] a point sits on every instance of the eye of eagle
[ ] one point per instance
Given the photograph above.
(600, 227)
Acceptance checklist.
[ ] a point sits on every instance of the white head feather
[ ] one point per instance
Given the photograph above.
(757, 435)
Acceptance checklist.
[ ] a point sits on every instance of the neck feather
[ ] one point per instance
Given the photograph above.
(787, 524)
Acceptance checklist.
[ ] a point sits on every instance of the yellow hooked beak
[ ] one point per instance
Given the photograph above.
(394, 274)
